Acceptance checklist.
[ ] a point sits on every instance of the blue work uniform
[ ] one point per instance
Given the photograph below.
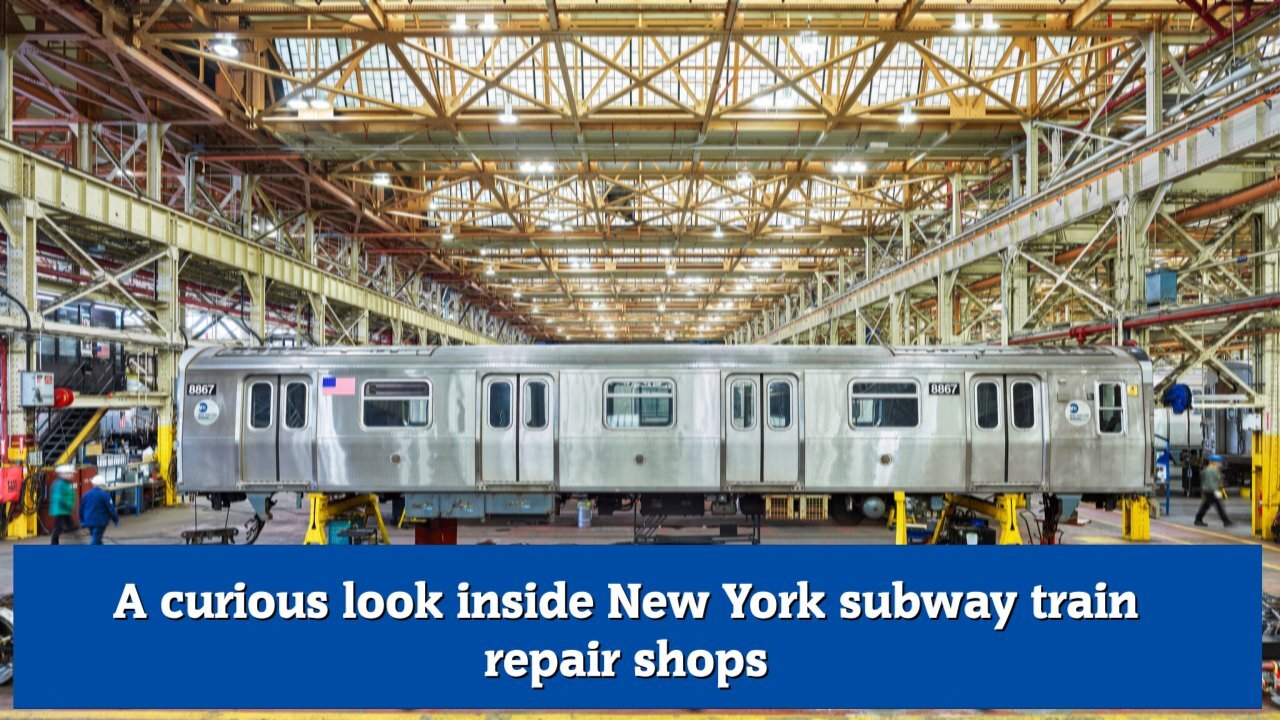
(96, 509)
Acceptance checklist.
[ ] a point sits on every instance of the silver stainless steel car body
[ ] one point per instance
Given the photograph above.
(543, 419)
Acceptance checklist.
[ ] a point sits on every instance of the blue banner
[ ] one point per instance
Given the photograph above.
(798, 627)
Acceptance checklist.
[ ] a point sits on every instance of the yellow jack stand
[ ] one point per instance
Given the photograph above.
(1135, 513)
(323, 510)
(1004, 511)
(900, 518)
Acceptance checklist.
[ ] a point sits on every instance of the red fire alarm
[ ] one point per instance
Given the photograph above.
(62, 397)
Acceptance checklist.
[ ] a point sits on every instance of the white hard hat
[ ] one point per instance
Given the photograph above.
(99, 480)
(67, 469)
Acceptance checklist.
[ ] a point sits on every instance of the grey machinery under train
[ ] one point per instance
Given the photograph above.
(468, 432)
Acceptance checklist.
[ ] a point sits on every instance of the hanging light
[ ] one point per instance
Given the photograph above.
(447, 235)
(516, 293)
(857, 167)
(298, 103)
(962, 23)
(745, 179)
(557, 227)
(908, 115)
(662, 307)
(989, 22)
(488, 25)
(545, 167)
(224, 48)
(719, 232)
(318, 103)
(381, 179)
(528, 168)
(671, 270)
(508, 117)
(840, 167)
(489, 270)
(432, 205)
(459, 23)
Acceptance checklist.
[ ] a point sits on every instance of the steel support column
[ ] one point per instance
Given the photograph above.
(169, 312)
(1266, 440)
(20, 218)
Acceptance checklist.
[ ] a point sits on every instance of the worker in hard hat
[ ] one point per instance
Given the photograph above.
(62, 501)
(1210, 485)
(96, 509)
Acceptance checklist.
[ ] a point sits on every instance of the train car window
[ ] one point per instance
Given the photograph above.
(1024, 405)
(987, 402)
(295, 405)
(500, 405)
(779, 405)
(743, 404)
(1110, 407)
(396, 404)
(894, 404)
(535, 405)
(639, 404)
(260, 396)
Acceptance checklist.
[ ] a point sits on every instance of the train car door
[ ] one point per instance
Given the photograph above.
(762, 429)
(277, 431)
(517, 435)
(1006, 430)
(296, 431)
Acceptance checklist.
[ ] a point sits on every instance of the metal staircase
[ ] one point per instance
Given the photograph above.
(65, 431)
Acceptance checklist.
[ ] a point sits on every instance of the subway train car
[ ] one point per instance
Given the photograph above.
(470, 432)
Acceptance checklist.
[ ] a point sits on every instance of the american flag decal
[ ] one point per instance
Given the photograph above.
(338, 386)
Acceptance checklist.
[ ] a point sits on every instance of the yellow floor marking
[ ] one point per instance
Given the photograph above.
(1180, 541)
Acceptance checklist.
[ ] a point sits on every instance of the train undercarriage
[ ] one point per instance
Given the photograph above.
(929, 518)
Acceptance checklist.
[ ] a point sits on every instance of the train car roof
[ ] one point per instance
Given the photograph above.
(659, 355)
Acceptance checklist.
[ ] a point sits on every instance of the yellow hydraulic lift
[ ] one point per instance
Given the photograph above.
(325, 510)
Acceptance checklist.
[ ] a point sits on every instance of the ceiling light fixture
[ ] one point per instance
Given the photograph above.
(908, 115)
(962, 23)
(546, 167)
(516, 293)
(488, 25)
(381, 179)
(528, 168)
(319, 103)
(447, 235)
(989, 22)
(459, 23)
(298, 103)
(857, 167)
(840, 167)
(508, 117)
(223, 47)
(489, 271)
(719, 232)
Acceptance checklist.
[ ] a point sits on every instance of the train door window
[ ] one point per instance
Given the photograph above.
(260, 410)
(500, 405)
(743, 406)
(639, 404)
(535, 404)
(894, 404)
(987, 405)
(1024, 405)
(779, 405)
(396, 404)
(295, 405)
(1110, 408)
